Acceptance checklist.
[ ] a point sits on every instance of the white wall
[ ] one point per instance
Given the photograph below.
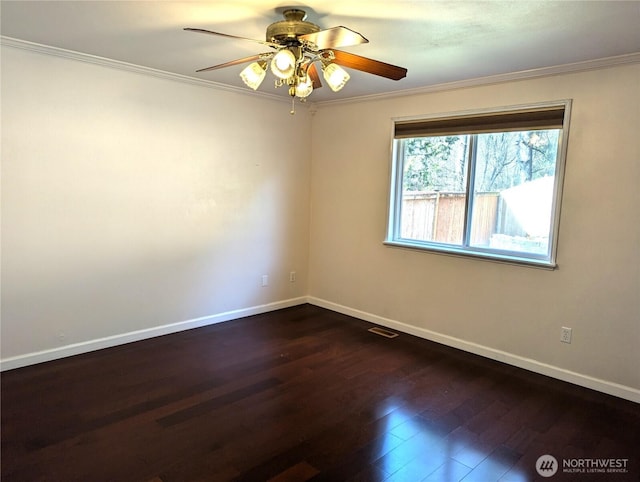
(507, 312)
(131, 202)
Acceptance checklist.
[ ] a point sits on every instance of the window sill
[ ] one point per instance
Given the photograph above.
(463, 253)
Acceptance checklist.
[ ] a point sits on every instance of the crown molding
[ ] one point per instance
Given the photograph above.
(138, 69)
(584, 66)
(575, 67)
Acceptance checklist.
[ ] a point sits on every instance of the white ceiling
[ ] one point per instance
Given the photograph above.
(437, 41)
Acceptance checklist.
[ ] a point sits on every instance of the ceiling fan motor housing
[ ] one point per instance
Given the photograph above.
(286, 31)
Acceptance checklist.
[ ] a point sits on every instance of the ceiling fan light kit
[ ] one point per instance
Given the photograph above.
(253, 74)
(283, 64)
(304, 88)
(335, 76)
(298, 45)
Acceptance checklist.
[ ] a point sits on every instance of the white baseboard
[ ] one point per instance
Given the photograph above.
(107, 342)
(582, 380)
(586, 381)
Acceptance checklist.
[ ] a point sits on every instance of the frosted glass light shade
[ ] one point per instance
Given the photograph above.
(304, 87)
(283, 64)
(253, 75)
(335, 76)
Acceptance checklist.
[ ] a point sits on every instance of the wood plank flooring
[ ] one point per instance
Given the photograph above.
(302, 394)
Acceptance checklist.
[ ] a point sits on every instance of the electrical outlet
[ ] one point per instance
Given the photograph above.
(565, 335)
(292, 277)
(265, 280)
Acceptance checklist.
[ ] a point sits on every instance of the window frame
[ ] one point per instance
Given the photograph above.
(394, 214)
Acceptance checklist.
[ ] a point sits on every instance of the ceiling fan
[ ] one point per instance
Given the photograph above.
(298, 46)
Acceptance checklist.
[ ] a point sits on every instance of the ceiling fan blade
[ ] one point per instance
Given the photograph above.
(370, 66)
(312, 72)
(209, 32)
(334, 37)
(233, 62)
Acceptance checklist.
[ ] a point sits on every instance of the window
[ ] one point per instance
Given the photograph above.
(485, 184)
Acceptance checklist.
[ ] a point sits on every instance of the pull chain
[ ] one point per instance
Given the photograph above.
(293, 106)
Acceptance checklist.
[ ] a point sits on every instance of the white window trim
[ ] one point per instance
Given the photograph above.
(395, 194)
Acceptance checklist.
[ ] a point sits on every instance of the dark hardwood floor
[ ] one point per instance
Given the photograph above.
(302, 394)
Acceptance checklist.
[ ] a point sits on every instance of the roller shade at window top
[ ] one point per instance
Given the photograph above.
(525, 120)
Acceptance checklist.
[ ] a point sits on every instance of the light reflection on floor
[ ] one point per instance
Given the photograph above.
(422, 447)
